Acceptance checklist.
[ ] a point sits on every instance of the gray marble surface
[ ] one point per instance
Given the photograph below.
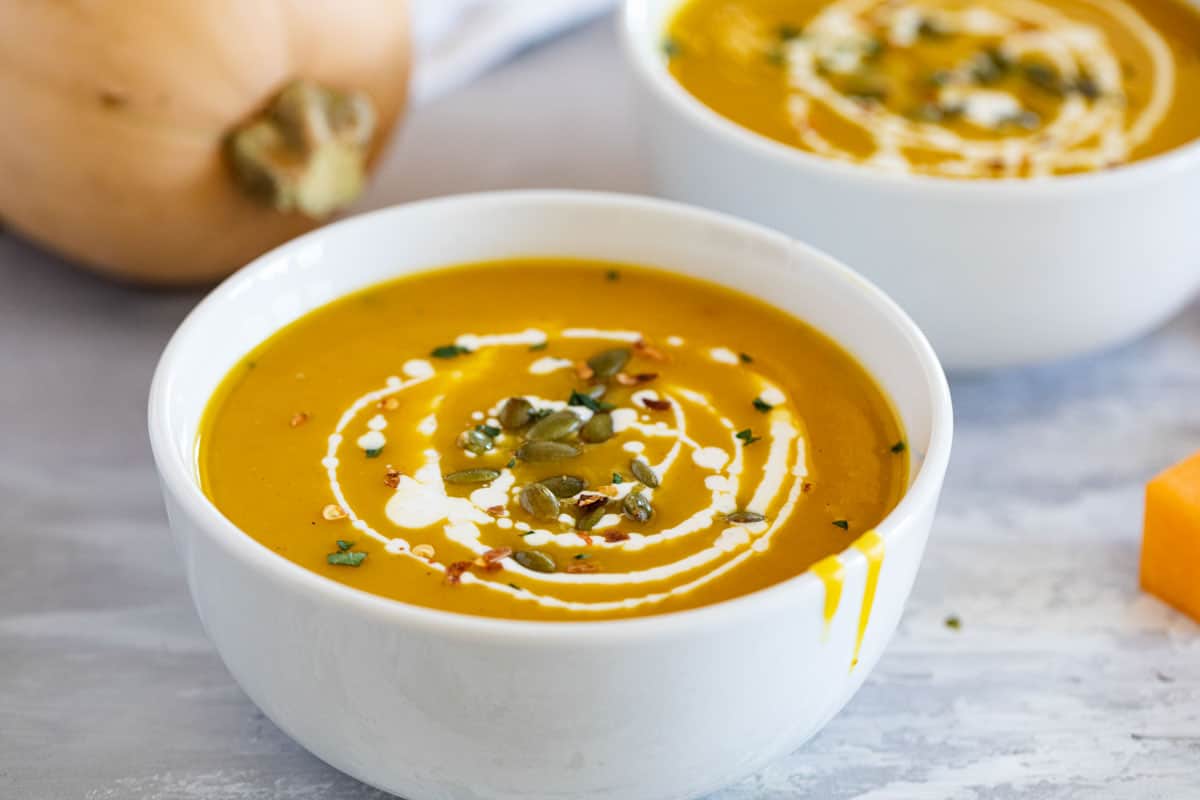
(1063, 681)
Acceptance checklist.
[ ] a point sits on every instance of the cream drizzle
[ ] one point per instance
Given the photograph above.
(421, 501)
(1084, 135)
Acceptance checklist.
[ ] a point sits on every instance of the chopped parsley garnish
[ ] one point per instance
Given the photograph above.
(843, 524)
(899, 447)
(671, 48)
(746, 359)
(587, 401)
(514, 586)
(542, 345)
(343, 545)
(489, 430)
(374, 452)
(616, 478)
(449, 351)
(581, 556)
(788, 32)
(762, 405)
(747, 436)
(346, 559)
(612, 275)
(512, 462)
(953, 622)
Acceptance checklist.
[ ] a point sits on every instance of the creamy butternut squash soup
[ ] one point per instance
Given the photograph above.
(953, 88)
(553, 440)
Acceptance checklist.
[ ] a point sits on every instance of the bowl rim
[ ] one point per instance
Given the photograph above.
(647, 63)
(177, 471)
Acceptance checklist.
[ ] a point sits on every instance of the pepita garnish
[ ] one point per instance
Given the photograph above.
(637, 507)
(744, 517)
(590, 517)
(608, 363)
(539, 501)
(515, 413)
(535, 560)
(644, 473)
(597, 429)
(542, 451)
(467, 476)
(564, 486)
(556, 426)
(475, 441)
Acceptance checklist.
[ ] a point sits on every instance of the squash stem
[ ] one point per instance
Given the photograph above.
(306, 151)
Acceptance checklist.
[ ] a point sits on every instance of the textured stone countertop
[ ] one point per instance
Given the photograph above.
(1063, 681)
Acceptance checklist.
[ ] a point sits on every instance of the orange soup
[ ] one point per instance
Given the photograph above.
(552, 440)
(953, 88)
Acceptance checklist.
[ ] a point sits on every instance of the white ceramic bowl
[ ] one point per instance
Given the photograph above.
(438, 706)
(995, 272)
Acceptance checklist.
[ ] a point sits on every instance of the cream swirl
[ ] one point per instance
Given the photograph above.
(420, 500)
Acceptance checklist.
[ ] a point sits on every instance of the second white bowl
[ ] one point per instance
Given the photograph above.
(995, 272)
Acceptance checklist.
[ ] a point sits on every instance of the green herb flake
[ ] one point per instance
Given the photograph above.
(616, 478)
(580, 556)
(671, 48)
(374, 452)
(489, 430)
(762, 405)
(787, 32)
(343, 545)
(542, 345)
(953, 622)
(346, 559)
(841, 523)
(251, 364)
(449, 351)
(612, 275)
(776, 57)
(512, 462)
(587, 401)
(899, 447)
(514, 586)
(747, 437)
(746, 359)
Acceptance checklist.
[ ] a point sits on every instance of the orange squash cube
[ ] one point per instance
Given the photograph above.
(1171, 537)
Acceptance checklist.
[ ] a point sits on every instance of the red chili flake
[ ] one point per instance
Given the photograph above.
(492, 558)
(454, 572)
(582, 567)
(644, 349)
(391, 478)
(584, 372)
(656, 404)
(806, 487)
(616, 536)
(637, 379)
(587, 538)
(298, 419)
(587, 502)
(496, 511)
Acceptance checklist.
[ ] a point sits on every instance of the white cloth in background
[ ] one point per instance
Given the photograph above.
(458, 40)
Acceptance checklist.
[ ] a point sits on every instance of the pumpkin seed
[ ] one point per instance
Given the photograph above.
(597, 429)
(644, 473)
(564, 485)
(609, 362)
(535, 560)
(473, 476)
(535, 452)
(515, 413)
(558, 425)
(588, 519)
(539, 501)
(475, 441)
(637, 507)
(744, 517)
